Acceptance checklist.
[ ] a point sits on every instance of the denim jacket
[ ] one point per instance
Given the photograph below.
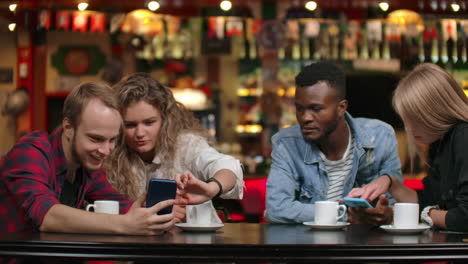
(298, 177)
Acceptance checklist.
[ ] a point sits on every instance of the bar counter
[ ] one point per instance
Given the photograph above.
(243, 242)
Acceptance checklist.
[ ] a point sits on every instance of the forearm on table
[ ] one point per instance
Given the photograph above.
(401, 193)
(62, 218)
(438, 217)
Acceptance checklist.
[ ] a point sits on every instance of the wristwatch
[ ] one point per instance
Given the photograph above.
(425, 214)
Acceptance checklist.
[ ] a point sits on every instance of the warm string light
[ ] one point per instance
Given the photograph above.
(384, 6)
(12, 26)
(153, 5)
(13, 7)
(311, 5)
(455, 7)
(225, 5)
(82, 6)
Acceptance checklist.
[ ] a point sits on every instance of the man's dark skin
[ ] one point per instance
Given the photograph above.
(320, 112)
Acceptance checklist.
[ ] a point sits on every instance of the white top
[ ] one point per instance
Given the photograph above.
(195, 155)
(339, 170)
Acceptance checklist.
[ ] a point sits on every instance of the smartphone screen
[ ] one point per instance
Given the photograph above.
(357, 202)
(161, 190)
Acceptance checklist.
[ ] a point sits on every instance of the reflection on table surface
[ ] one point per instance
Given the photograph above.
(245, 242)
(261, 234)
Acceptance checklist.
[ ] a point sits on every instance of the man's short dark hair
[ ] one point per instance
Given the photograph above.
(323, 71)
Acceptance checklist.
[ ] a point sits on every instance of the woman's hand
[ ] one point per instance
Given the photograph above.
(194, 190)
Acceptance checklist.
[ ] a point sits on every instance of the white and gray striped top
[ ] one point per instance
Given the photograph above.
(338, 170)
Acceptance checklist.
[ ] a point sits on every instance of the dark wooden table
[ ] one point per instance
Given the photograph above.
(245, 243)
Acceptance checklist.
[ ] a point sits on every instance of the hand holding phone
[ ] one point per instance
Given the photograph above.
(161, 190)
(357, 202)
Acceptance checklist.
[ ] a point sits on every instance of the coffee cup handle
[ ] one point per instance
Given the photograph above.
(89, 206)
(341, 207)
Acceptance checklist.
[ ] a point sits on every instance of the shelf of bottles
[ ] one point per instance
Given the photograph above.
(395, 44)
(441, 41)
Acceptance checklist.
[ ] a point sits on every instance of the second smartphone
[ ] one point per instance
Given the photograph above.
(161, 190)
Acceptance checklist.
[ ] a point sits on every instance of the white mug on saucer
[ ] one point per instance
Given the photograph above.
(104, 206)
(199, 214)
(405, 215)
(326, 212)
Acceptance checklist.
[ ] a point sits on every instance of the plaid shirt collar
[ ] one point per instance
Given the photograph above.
(61, 165)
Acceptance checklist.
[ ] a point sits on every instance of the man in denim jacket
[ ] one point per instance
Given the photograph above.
(328, 153)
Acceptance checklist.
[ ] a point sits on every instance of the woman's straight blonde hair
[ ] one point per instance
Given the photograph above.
(429, 98)
(124, 164)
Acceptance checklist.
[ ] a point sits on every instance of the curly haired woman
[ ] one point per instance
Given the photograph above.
(163, 140)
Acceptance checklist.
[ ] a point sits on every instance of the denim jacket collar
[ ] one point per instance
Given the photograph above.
(362, 142)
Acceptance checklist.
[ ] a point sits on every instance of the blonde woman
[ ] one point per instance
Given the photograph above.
(164, 140)
(434, 110)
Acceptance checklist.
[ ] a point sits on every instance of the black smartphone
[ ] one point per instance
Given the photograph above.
(161, 190)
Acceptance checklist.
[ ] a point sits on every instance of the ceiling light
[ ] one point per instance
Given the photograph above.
(455, 7)
(13, 7)
(311, 5)
(225, 5)
(153, 5)
(384, 6)
(82, 6)
(12, 26)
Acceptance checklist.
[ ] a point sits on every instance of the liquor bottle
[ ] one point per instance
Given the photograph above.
(386, 48)
(253, 48)
(421, 47)
(342, 54)
(442, 47)
(435, 45)
(382, 41)
(296, 49)
(450, 44)
(427, 44)
(461, 55)
(394, 43)
(247, 35)
(358, 44)
(312, 49)
(404, 51)
(304, 43)
(305, 55)
(364, 46)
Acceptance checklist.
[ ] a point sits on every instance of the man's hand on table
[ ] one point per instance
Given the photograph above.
(380, 215)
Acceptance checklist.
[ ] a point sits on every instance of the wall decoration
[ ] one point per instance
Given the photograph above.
(78, 60)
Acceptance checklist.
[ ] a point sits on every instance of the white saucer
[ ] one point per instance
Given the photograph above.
(337, 226)
(406, 230)
(195, 227)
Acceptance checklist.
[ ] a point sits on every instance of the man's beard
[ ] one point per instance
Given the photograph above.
(75, 156)
(325, 132)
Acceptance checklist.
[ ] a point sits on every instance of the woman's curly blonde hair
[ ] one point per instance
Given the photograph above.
(123, 165)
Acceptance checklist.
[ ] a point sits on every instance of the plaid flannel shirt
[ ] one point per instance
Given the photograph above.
(31, 179)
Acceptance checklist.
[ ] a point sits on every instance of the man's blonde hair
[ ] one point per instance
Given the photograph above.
(80, 96)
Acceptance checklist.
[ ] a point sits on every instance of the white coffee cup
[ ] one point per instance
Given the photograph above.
(104, 206)
(199, 214)
(405, 215)
(326, 212)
